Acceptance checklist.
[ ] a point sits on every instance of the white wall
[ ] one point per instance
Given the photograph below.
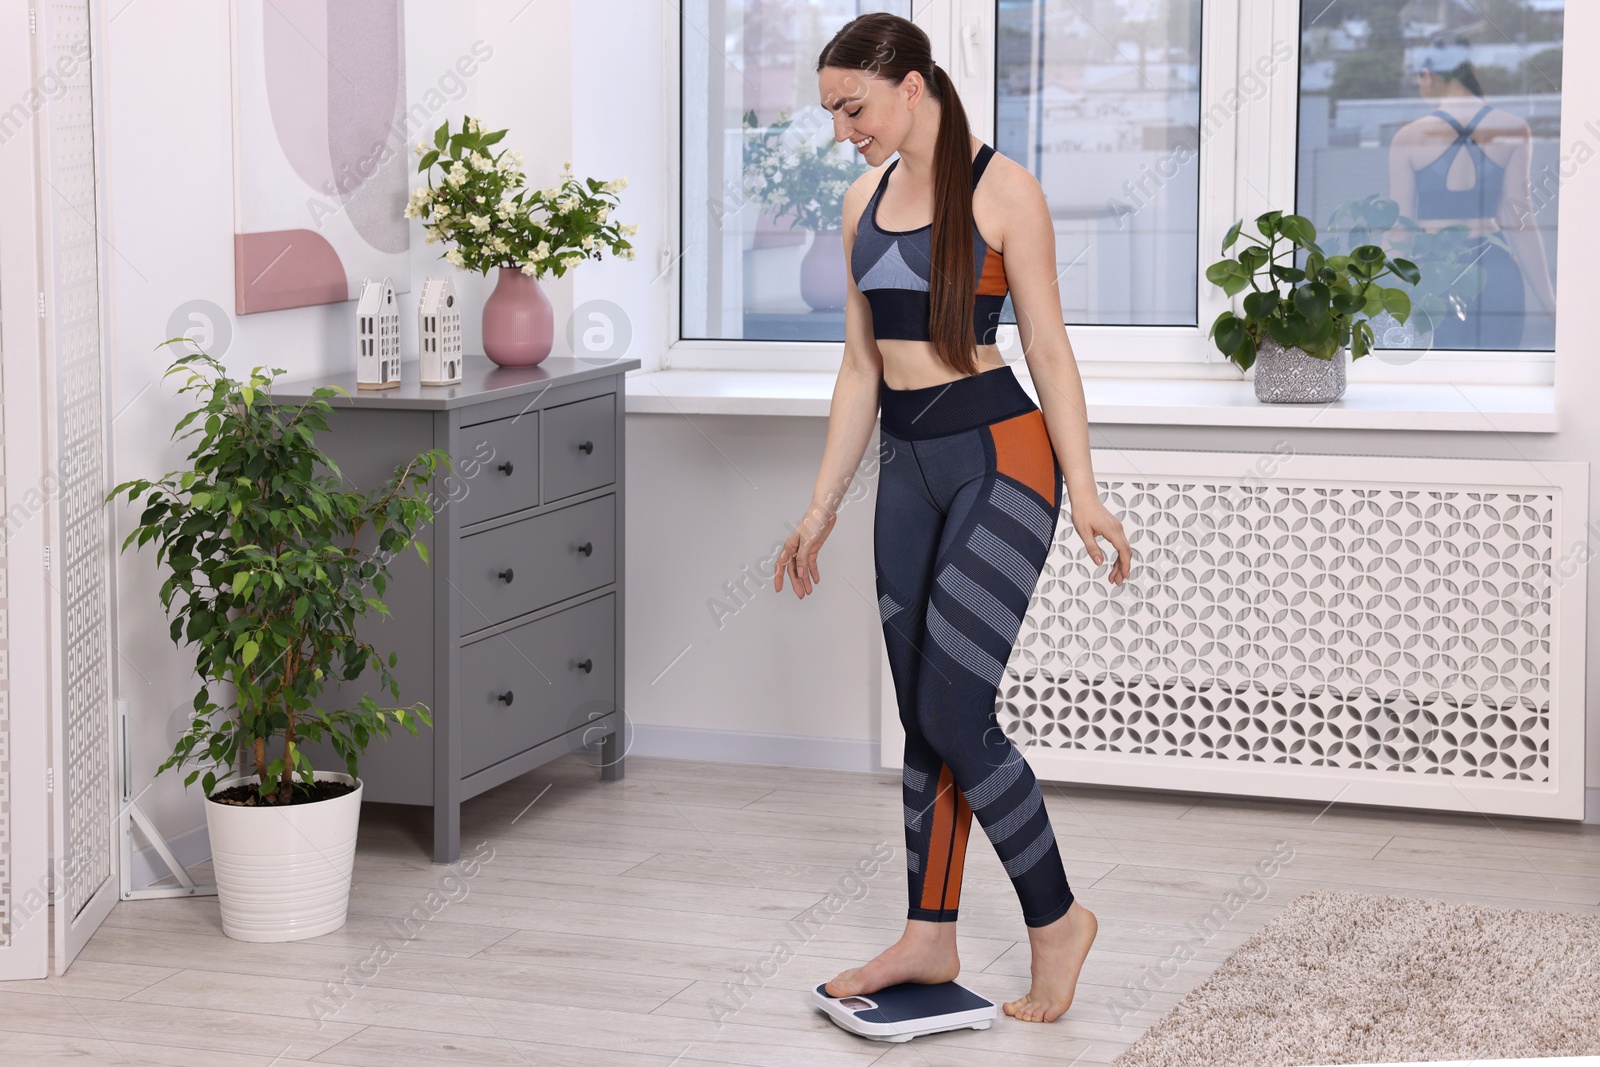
(167, 125)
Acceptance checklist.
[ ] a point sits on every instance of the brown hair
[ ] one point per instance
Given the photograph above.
(890, 47)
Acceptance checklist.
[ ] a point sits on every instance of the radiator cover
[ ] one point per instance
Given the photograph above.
(1368, 629)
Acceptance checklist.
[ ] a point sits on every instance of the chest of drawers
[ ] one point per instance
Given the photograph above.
(512, 634)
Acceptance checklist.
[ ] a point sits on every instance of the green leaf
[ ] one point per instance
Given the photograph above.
(1312, 301)
(251, 650)
(240, 579)
(1406, 270)
(1229, 332)
(1259, 306)
(1231, 236)
(1368, 255)
(1298, 229)
(1397, 303)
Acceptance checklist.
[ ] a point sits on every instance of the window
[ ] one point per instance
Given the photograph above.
(1434, 129)
(763, 178)
(1102, 103)
(1151, 125)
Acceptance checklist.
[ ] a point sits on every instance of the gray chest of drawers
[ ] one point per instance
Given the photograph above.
(512, 634)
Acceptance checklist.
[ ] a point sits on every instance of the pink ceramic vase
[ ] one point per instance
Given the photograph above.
(518, 323)
(822, 284)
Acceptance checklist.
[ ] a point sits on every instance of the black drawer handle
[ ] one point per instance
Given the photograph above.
(586, 548)
(506, 467)
(506, 575)
(505, 698)
(587, 665)
(587, 446)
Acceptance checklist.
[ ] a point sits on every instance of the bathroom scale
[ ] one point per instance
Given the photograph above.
(910, 1009)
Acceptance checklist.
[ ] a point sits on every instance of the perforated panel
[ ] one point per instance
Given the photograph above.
(82, 573)
(1401, 628)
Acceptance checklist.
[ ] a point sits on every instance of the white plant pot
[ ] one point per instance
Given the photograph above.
(283, 873)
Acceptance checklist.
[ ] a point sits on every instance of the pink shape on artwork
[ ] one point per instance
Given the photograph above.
(278, 269)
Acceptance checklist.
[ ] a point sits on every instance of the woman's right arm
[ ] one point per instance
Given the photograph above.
(851, 414)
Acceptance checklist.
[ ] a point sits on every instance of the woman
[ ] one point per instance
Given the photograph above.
(1467, 164)
(969, 493)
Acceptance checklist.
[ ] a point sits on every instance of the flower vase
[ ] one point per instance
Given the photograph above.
(518, 322)
(822, 283)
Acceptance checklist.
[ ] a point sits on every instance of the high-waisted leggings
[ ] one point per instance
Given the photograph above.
(969, 493)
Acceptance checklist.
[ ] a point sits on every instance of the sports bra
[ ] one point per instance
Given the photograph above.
(892, 268)
(1435, 200)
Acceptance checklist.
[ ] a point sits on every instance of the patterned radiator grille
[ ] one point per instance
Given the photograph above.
(1404, 628)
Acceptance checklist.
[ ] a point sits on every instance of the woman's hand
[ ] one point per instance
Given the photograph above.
(1092, 520)
(799, 555)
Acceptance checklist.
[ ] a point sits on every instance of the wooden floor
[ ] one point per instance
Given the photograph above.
(651, 922)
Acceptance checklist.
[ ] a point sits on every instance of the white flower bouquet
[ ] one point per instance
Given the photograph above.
(805, 183)
(481, 206)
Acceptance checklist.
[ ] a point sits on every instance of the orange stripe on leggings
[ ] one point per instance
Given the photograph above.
(1022, 451)
(947, 845)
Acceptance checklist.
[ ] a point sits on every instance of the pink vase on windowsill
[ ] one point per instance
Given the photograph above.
(518, 322)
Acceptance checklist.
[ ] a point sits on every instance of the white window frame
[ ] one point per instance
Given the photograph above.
(1263, 136)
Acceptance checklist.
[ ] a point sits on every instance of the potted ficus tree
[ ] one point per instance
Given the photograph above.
(271, 565)
(1301, 320)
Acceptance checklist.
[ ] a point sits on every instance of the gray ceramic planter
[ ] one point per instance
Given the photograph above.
(1289, 376)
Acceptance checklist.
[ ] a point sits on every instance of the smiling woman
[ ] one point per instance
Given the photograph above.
(968, 510)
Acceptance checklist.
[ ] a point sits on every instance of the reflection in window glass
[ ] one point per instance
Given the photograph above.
(1432, 127)
(763, 178)
(1101, 100)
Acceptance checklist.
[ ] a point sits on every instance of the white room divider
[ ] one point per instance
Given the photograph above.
(84, 808)
(58, 814)
(1371, 629)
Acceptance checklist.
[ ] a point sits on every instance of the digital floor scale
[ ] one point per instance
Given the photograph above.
(902, 1012)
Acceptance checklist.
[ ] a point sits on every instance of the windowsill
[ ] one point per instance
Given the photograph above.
(1172, 402)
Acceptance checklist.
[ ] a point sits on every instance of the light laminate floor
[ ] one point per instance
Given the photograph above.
(652, 921)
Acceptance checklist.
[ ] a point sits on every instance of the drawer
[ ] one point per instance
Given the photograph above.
(523, 566)
(498, 471)
(538, 681)
(580, 446)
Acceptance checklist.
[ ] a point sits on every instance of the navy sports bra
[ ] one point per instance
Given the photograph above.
(892, 268)
(1435, 200)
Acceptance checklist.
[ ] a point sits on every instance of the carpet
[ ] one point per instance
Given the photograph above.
(1340, 978)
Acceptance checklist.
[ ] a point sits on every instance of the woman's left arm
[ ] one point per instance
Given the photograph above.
(1029, 240)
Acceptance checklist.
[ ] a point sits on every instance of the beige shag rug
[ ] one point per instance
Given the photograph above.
(1355, 978)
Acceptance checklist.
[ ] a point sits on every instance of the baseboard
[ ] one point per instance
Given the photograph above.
(738, 746)
(674, 742)
(190, 847)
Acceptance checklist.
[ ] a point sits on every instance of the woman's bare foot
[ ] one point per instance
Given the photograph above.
(925, 953)
(1058, 954)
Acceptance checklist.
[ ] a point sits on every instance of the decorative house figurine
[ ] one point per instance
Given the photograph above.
(377, 336)
(439, 332)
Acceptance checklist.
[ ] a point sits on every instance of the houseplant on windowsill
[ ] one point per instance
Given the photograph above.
(805, 184)
(270, 567)
(1302, 329)
(481, 206)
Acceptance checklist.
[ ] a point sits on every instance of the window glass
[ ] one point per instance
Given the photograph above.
(1432, 127)
(763, 178)
(1100, 99)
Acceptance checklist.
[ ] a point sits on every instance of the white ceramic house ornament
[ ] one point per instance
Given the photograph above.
(377, 336)
(439, 332)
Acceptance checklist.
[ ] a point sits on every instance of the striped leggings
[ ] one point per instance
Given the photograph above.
(968, 500)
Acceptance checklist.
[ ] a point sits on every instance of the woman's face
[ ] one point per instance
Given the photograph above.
(1427, 85)
(865, 109)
